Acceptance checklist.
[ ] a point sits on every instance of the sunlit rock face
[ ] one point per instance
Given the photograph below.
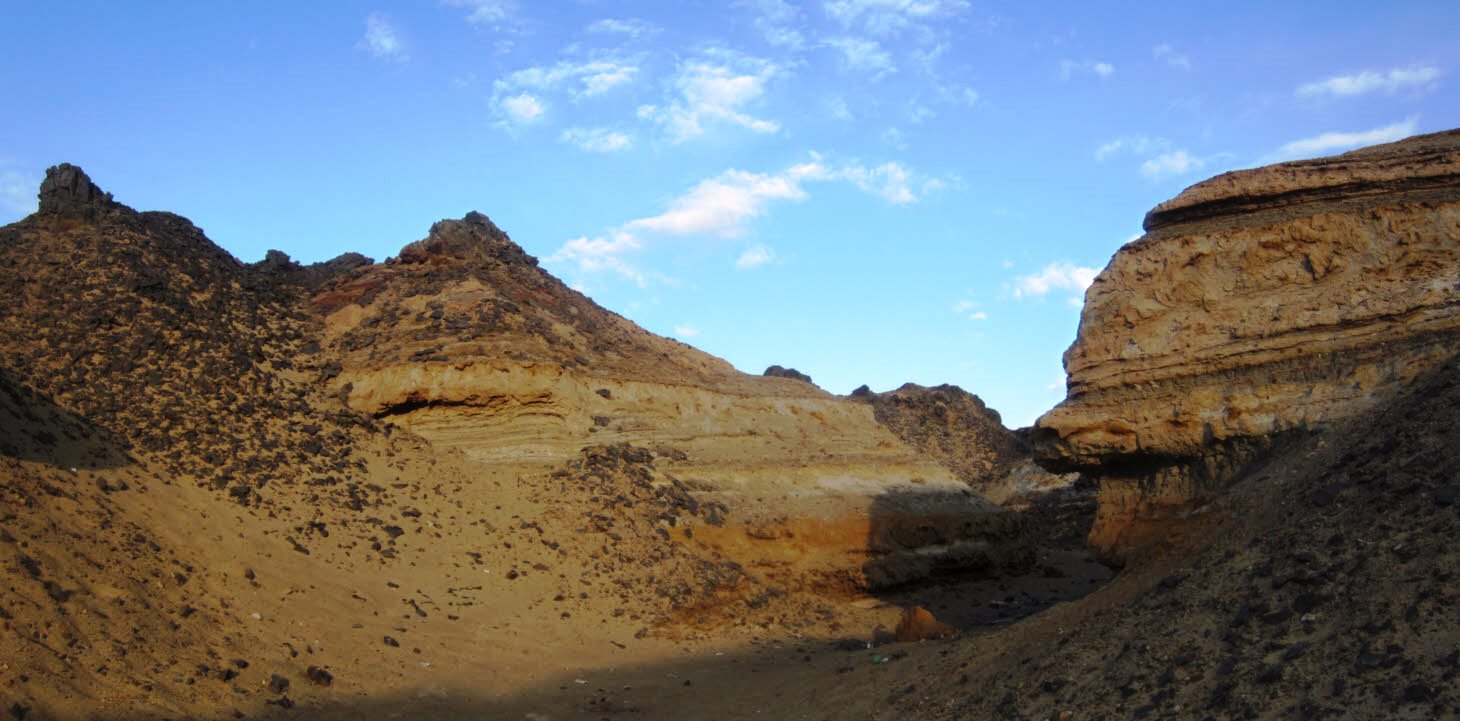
(464, 340)
(1259, 303)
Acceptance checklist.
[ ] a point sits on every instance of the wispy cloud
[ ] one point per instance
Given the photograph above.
(863, 55)
(686, 330)
(584, 79)
(755, 257)
(725, 205)
(1071, 68)
(883, 17)
(705, 92)
(484, 12)
(595, 255)
(1167, 54)
(1055, 276)
(382, 40)
(1328, 143)
(1176, 162)
(632, 27)
(777, 22)
(969, 308)
(1369, 81)
(523, 108)
(1135, 144)
(596, 140)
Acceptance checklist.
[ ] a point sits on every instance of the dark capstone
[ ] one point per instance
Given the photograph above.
(278, 684)
(68, 191)
(862, 391)
(792, 373)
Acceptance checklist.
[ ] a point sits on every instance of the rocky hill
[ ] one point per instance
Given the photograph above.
(251, 486)
(1259, 303)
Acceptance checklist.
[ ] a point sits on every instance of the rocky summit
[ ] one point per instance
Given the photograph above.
(447, 486)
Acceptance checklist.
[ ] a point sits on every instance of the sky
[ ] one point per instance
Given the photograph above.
(870, 191)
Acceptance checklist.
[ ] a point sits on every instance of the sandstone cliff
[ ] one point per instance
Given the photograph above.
(1259, 304)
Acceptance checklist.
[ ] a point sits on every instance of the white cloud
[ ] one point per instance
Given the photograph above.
(1342, 86)
(596, 140)
(1167, 54)
(890, 180)
(523, 108)
(1136, 144)
(382, 40)
(755, 257)
(725, 205)
(722, 205)
(1328, 143)
(706, 92)
(776, 20)
(860, 54)
(632, 27)
(580, 79)
(1177, 162)
(593, 255)
(1055, 276)
(686, 331)
(967, 307)
(1070, 68)
(970, 96)
(484, 12)
(889, 16)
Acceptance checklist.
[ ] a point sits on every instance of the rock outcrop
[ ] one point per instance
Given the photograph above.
(1259, 304)
(464, 340)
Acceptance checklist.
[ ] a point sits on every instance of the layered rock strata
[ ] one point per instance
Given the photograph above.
(1258, 303)
(465, 341)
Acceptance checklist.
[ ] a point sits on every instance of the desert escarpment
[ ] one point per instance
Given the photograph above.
(1259, 304)
(465, 341)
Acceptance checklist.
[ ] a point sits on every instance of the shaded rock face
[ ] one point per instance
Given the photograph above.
(1260, 304)
(67, 191)
(792, 373)
(951, 425)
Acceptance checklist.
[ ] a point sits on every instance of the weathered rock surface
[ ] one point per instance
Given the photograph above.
(1259, 303)
(464, 340)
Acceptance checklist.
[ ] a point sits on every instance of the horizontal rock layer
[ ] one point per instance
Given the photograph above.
(467, 343)
(1258, 303)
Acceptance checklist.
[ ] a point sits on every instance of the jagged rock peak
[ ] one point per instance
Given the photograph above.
(474, 237)
(67, 190)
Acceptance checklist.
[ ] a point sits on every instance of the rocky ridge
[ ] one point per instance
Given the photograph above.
(1259, 304)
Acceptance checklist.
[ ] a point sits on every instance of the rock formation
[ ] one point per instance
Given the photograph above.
(1259, 304)
(464, 340)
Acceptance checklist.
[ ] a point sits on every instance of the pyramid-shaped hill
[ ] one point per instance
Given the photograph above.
(213, 473)
(464, 340)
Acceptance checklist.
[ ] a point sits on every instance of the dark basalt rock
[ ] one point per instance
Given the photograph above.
(68, 192)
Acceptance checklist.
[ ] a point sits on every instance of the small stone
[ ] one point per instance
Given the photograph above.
(392, 642)
(918, 624)
(278, 684)
(319, 676)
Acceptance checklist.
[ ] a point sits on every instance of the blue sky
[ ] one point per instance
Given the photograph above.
(871, 191)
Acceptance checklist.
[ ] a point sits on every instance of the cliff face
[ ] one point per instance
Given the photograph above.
(1259, 304)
